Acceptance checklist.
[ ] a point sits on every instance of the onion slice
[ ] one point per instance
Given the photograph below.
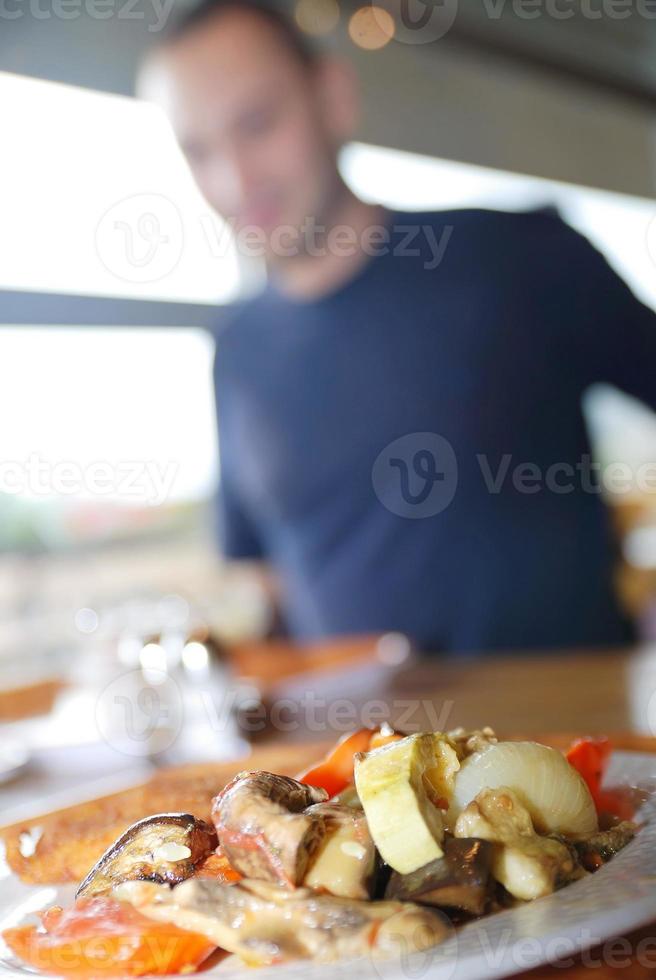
(552, 791)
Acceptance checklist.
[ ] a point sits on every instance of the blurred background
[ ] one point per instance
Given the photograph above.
(513, 106)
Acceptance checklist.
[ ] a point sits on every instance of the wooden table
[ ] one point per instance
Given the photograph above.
(575, 692)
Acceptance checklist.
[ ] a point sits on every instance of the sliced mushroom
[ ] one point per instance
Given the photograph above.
(264, 923)
(345, 861)
(265, 827)
(458, 880)
(595, 849)
(164, 848)
(526, 864)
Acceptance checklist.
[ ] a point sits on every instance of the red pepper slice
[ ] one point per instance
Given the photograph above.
(335, 772)
(590, 757)
(99, 937)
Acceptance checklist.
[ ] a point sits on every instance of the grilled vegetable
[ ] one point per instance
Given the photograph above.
(554, 794)
(459, 879)
(528, 866)
(469, 742)
(345, 862)
(217, 867)
(103, 938)
(403, 789)
(266, 924)
(590, 758)
(596, 849)
(163, 848)
(265, 827)
(335, 772)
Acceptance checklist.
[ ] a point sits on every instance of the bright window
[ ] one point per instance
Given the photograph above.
(97, 199)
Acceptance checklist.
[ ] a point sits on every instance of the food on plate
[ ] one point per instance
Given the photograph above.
(553, 792)
(217, 867)
(596, 849)
(405, 788)
(62, 846)
(335, 772)
(460, 879)
(590, 757)
(346, 858)
(266, 826)
(526, 864)
(164, 848)
(71, 841)
(265, 923)
(100, 937)
(376, 851)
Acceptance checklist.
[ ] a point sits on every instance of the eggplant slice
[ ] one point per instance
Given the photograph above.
(459, 880)
(598, 848)
(265, 827)
(164, 848)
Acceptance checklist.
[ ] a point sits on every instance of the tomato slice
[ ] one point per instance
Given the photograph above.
(99, 937)
(590, 757)
(335, 772)
(217, 867)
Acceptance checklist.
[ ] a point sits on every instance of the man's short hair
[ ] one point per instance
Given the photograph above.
(206, 10)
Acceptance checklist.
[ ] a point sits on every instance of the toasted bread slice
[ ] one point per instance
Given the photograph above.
(61, 847)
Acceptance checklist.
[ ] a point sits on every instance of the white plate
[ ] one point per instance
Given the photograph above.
(619, 897)
(14, 757)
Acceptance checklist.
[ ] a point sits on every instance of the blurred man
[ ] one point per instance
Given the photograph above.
(401, 434)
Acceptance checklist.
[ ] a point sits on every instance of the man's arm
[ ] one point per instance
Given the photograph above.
(238, 537)
(615, 333)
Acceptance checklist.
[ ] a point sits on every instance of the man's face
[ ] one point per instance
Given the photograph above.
(259, 128)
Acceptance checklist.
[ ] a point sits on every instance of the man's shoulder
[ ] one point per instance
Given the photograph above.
(235, 315)
(499, 240)
(544, 221)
